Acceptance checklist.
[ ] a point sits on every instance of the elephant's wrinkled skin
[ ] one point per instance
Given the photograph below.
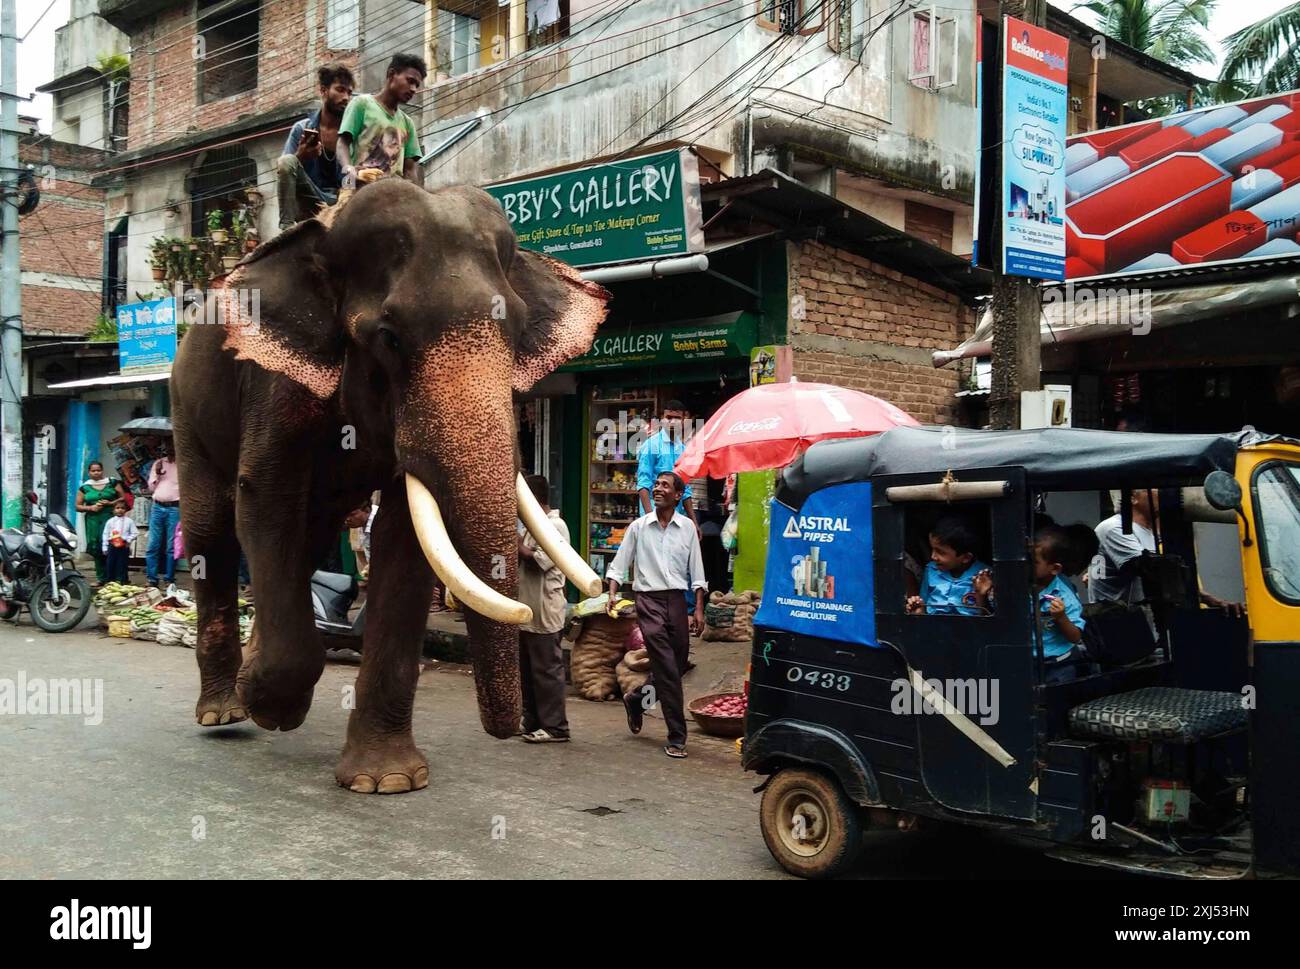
(390, 337)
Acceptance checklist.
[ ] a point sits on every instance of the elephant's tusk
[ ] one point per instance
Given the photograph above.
(566, 559)
(467, 587)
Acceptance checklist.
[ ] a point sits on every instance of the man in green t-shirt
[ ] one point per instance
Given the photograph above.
(376, 138)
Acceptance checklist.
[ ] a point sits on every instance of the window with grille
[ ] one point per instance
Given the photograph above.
(218, 183)
(791, 16)
(227, 48)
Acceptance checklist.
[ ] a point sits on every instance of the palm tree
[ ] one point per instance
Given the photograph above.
(1172, 31)
(1265, 57)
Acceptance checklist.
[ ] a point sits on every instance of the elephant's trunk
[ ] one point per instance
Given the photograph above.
(456, 441)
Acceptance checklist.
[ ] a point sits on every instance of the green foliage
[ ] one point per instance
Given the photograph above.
(214, 220)
(1173, 31)
(104, 330)
(1263, 58)
(114, 67)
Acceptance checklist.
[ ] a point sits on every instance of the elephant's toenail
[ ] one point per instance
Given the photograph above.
(394, 784)
(421, 778)
(208, 719)
(363, 784)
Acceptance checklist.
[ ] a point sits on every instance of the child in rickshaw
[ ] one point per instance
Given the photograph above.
(955, 582)
(1057, 605)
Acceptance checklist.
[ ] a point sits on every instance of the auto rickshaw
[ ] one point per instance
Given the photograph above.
(1174, 751)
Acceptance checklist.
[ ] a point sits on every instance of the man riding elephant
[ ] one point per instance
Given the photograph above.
(392, 332)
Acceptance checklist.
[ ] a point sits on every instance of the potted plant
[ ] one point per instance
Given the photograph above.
(158, 257)
(216, 231)
(250, 239)
(238, 228)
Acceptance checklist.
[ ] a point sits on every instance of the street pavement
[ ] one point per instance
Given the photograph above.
(147, 794)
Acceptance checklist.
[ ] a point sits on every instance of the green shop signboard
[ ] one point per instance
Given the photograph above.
(708, 339)
(638, 208)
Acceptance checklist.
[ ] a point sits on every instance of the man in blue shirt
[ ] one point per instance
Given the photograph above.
(659, 453)
(307, 173)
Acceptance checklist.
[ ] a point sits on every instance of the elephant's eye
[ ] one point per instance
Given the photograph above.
(389, 339)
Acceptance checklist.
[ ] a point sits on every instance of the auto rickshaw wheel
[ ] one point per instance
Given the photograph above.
(811, 828)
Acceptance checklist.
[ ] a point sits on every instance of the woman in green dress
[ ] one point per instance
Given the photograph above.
(95, 500)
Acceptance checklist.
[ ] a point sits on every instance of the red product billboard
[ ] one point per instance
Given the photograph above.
(1217, 184)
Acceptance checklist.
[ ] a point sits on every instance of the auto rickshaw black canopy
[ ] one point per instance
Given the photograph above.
(1064, 459)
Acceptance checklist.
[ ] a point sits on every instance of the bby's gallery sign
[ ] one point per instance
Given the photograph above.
(638, 208)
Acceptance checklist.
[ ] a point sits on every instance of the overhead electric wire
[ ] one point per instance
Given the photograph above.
(270, 178)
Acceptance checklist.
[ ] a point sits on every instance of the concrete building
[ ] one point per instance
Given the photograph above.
(89, 107)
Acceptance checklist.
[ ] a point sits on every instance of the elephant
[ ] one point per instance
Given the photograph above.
(376, 346)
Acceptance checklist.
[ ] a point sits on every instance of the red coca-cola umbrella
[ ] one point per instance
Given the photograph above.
(768, 426)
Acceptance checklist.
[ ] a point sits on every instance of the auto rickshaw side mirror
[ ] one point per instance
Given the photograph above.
(1223, 492)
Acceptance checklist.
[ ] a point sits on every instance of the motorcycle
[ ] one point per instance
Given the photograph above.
(332, 595)
(36, 571)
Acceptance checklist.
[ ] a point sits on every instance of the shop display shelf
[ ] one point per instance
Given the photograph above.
(607, 551)
(627, 400)
(613, 491)
(613, 460)
(613, 521)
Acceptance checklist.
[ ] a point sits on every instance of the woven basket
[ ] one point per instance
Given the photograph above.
(717, 726)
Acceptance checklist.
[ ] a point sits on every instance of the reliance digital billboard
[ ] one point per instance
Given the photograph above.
(1218, 184)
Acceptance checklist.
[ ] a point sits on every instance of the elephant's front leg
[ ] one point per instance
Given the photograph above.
(380, 755)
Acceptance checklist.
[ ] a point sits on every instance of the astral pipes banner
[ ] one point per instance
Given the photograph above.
(638, 208)
(820, 577)
(1034, 78)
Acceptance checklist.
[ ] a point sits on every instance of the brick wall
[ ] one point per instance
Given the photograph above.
(871, 328)
(164, 72)
(62, 241)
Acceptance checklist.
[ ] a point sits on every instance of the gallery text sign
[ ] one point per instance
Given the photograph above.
(638, 208)
(682, 344)
(146, 335)
(1033, 150)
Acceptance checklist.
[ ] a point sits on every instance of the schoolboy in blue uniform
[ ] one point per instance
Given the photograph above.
(954, 583)
(1058, 605)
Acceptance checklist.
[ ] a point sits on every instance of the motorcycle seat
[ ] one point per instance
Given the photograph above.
(335, 582)
(12, 539)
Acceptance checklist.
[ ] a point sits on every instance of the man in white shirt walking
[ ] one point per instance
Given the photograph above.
(663, 549)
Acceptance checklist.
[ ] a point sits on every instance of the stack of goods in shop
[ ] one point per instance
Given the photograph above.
(607, 537)
(729, 617)
(599, 647)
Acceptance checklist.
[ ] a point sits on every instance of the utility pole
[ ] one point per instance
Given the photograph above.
(1016, 305)
(11, 331)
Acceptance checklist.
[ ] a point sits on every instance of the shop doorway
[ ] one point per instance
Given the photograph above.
(624, 411)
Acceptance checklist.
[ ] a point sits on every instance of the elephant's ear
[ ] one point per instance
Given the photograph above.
(563, 314)
(279, 310)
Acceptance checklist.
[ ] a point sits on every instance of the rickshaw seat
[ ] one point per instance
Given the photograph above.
(1159, 713)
